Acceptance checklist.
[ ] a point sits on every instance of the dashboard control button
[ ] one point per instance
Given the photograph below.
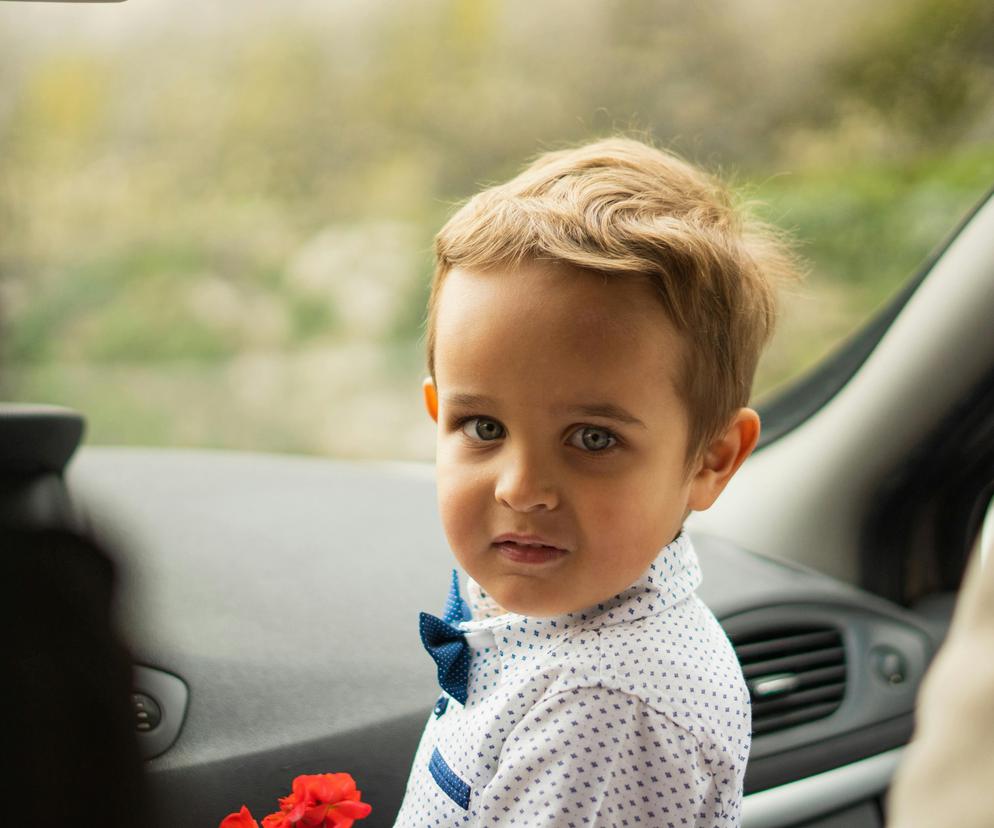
(148, 714)
(890, 665)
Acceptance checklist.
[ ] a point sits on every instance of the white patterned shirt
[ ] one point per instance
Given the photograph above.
(633, 712)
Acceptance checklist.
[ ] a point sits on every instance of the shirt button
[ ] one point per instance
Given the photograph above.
(440, 706)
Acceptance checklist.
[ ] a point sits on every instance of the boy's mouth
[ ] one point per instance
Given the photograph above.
(528, 549)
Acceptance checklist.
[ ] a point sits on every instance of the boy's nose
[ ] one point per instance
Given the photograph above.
(522, 486)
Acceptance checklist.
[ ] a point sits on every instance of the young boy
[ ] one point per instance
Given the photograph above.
(594, 327)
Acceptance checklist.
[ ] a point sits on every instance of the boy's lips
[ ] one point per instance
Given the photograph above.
(528, 549)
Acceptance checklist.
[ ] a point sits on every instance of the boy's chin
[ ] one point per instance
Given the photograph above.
(535, 605)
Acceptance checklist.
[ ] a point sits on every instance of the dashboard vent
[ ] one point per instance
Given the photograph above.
(795, 675)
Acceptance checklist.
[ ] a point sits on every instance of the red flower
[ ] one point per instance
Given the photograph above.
(323, 800)
(243, 819)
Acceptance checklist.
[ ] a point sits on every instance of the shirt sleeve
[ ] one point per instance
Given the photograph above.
(600, 757)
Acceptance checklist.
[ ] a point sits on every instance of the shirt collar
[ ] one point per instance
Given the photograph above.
(670, 578)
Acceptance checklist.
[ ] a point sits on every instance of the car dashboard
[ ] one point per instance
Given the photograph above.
(272, 602)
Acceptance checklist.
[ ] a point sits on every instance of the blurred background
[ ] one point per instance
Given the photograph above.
(216, 219)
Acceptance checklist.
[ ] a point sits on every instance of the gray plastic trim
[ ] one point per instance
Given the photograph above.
(987, 536)
(818, 795)
(171, 695)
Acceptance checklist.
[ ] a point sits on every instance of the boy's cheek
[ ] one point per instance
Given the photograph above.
(445, 455)
(460, 500)
(450, 446)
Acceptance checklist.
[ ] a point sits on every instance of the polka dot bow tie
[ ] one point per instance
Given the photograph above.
(447, 645)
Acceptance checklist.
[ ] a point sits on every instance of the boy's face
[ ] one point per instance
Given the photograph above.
(561, 437)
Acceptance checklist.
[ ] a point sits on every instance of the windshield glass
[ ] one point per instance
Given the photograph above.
(217, 219)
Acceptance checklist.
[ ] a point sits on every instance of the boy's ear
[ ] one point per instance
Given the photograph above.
(431, 398)
(722, 459)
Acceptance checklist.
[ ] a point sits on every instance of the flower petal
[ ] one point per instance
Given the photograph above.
(277, 820)
(243, 819)
(324, 787)
(353, 810)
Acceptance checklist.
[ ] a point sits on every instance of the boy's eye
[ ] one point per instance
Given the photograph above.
(592, 438)
(482, 428)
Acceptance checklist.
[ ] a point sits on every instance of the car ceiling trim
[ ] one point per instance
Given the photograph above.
(821, 794)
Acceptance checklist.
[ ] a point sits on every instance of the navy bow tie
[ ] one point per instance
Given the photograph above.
(447, 645)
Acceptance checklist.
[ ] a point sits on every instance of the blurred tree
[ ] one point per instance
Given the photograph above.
(927, 67)
(164, 184)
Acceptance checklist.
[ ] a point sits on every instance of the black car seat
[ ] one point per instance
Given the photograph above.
(70, 746)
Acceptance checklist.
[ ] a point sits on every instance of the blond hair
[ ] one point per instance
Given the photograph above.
(621, 208)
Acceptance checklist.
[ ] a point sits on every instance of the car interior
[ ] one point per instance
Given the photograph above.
(188, 243)
(270, 602)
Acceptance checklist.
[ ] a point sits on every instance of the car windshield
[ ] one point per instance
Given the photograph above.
(217, 219)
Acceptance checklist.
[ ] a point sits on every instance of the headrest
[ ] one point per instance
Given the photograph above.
(35, 439)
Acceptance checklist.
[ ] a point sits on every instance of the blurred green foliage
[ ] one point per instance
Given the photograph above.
(218, 231)
(928, 69)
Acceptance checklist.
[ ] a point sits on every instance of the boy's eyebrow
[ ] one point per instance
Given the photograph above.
(609, 411)
(469, 400)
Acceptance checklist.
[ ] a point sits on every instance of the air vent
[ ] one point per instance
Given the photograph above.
(795, 675)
